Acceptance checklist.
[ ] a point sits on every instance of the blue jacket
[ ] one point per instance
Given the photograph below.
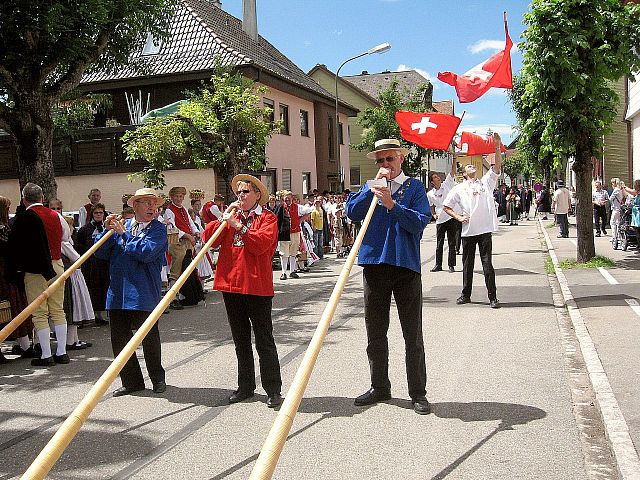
(135, 263)
(393, 236)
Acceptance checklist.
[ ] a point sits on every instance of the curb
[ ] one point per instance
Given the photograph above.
(615, 426)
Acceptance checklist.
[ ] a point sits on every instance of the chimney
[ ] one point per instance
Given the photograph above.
(250, 18)
(216, 3)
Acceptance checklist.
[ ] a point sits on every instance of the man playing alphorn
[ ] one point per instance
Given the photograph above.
(390, 257)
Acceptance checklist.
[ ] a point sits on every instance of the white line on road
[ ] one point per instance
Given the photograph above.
(608, 277)
(633, 303)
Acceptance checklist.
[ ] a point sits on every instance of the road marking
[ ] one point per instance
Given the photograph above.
(573, 240)
(633, 303)
(608, 276)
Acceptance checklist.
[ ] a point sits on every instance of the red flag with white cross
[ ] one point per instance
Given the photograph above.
(428, 130)
(479, 145)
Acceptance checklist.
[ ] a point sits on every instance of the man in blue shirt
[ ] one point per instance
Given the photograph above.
(390, 257)
(136, 254)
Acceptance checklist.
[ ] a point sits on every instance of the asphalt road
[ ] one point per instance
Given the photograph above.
(508, 387)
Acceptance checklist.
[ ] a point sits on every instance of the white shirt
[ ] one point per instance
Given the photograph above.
(215, 211)
(562, 200)
(436, 197)
(396, 182)
(475, 198)
(599, 196)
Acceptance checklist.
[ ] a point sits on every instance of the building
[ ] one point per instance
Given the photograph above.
(362, 92)
(202, 34)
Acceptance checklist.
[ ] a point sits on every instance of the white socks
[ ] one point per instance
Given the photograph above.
(292, 263)
(284, 262)
(23, 342)
(72, 335)
(61, 338)
(44, 340)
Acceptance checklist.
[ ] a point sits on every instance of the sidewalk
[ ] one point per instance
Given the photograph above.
(607, 304)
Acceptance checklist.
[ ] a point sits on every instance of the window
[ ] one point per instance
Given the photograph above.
(354, 173)
(269, 104)
(284, 118)
(306, 183)
(304, 123)
(152, 46)
(286, 179)
(332, 138)
(340, 134)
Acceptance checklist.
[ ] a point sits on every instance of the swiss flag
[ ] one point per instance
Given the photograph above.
(495, 72)
(428, 130)
(478, 145)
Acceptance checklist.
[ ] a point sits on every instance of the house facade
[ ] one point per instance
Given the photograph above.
(632, 115)
(362, 92)
(202, 36)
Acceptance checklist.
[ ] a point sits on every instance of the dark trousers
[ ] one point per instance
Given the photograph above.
(122, 323)
(458, 235)
(245, 311)
(380, 282)
(448, 227)
(563, 223)
(600, 217)
(468, 260)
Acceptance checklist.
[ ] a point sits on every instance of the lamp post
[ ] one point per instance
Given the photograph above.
(383, 47)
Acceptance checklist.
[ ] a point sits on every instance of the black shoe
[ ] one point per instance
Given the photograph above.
(77, 346)
(43, 362)
(294, 275)
(495, 303)
(372, 396)
(28, 353)
(239, 396)
(421, 405)
(598, 234)
(436, 269)
(122, 391)
(604, 232)
(100, 321)
(3, 359)
(159, 387)
(544, 218)
(274, 400)
(63, 359)
(176, 305)
(462, 300)
(283, 276)
(458, 252)
(452, 269)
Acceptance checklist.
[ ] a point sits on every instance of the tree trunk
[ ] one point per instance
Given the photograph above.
(584, 206)
(32, 132)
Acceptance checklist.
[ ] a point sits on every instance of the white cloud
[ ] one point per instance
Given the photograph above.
(482, 45)
(505, 130)
(403, 68)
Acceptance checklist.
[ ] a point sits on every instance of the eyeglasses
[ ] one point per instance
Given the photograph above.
(245, 191)
(390, 158)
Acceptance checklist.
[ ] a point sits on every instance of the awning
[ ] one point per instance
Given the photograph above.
(163, 111)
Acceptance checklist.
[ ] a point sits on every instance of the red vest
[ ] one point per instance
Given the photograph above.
(182, 218)
(53, 229)
(295, 218)
(88, 207)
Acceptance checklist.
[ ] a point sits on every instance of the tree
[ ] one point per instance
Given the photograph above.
(379, 122)
(222, 126)
(573, 49)
(45, 49)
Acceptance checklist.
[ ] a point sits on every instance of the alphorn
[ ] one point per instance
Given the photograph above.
(273, 445)
(68, 430)
(22, 316)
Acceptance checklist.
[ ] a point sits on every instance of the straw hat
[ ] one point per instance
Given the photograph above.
(196, 194)
(145, 193)
(177, 191)
(385, 145)
(245, 177)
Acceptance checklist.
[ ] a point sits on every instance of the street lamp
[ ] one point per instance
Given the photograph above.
(383, 47)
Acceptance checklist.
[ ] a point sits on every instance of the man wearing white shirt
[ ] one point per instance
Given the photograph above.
(444, 223)
(562, 203)
(475, 198)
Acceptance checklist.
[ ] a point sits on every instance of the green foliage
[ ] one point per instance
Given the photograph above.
(223, 126)
(519, 164)
(573, 49)
(596, 262)
(379, 122)
(75, 114)
(549, 267)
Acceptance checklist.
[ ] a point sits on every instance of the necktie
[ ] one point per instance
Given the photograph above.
(134, 229)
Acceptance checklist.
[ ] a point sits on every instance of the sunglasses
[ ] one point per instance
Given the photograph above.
(245, 191)
(390, 158)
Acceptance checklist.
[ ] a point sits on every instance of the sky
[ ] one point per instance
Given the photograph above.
(425, 35)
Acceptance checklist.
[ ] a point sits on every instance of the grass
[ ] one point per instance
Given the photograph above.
(548, 265)
(595, 262)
